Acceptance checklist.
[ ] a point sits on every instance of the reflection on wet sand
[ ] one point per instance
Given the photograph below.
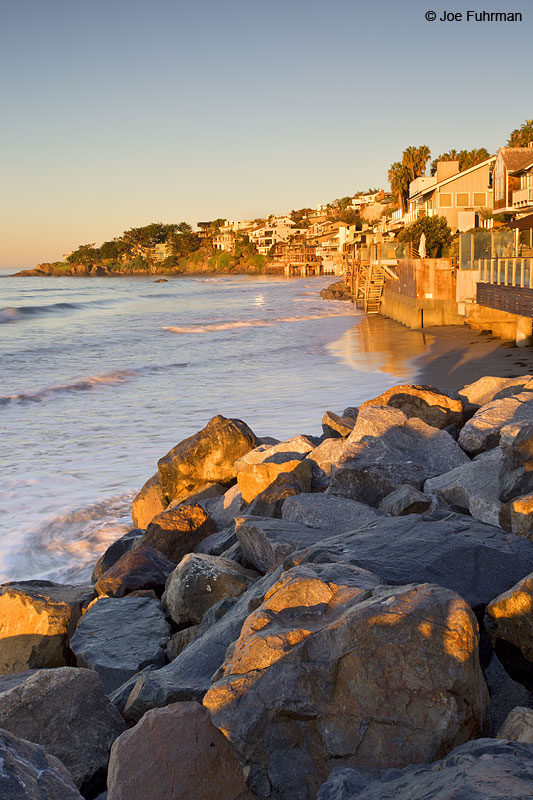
(381, 344)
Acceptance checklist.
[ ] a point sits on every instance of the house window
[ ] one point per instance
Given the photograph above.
(462, 199)
(445, 200)
(480, 199)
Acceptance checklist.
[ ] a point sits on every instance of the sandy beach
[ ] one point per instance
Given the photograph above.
(459, 355)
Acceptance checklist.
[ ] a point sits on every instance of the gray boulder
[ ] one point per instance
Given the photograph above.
(354, 673)
(224, 508)
(188, 677)
(473, 487)
(199, 581)
(138, 569)
(433, 406)
(490, 388)
(386, 449)
(218, 542)
(37, 619)
(509, 623)
(329, 513)
(505, 694)
(294, 449)
(476, 770)
(474, 559)
(29, 773)
(336, 427)
(516, 472)
(269, 502)
(266, 542)
(483, 431)
(66, 711)
(117, 637)
(405, 500)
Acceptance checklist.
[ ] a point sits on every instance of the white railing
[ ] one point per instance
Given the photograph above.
(506, 271)
(523, 197)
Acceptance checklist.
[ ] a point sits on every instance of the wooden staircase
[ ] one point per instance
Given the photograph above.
(370, 280)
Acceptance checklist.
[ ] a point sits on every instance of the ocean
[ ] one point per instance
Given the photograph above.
(100, 377)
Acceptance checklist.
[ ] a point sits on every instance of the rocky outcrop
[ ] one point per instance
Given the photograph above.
(37, 619)
(473, 487)
(200, 581)
(474, 771)
(331, 514)
(138, 569)
(385, 450)
(30, 773)
(206, 457)
(148, 502)
(473, 559)
(427, 403)
(319, 647)
(66, 711)
(177, 531)
(117, 637)
(405, 500)
(146, 763)
(509, 622)
(483, 431)
(336, 291)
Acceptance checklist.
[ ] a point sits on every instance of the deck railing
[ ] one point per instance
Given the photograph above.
(507, 272)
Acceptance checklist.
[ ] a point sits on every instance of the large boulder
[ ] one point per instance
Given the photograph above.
(118, 636)
(516, 472)
(269, 502)
(114, 552)
(331, 514)
(66, 711)
(206, 457)
(336, 427)
(188, 676)
(478, 770)
(199, 581)
(387, 449)
(266, 542)
(354, 673)
(177, 531)
(29, 773)
(293, 449)
(509, 622)
(148, 502)
(521, 515)
(490, 388)
(483, 431)
(433, 406)
(473, 487)
(175, 752)
(255, 478)
(37, 619)
(138, 569)
(474, 559)
(224, 508)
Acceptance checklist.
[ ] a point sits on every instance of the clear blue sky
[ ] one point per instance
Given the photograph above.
(118, 113)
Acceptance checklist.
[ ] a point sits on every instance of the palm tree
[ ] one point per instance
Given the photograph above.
(398, 176)
(415, 160)
(523, 136)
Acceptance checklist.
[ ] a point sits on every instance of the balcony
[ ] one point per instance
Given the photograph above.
(523, 198)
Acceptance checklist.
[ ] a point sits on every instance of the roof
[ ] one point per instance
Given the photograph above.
(516, 158)
(432, 187)
(523, 224)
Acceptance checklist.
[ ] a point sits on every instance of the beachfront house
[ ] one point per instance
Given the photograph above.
(269, 234)
(513, 180)
(227, 234)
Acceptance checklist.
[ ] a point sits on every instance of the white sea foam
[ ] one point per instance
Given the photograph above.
(83, 385)
(250, 323)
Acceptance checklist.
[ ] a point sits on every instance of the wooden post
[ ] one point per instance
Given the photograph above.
(514, 272)
(522, 270)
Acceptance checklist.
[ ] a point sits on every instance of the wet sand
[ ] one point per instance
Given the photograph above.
(459, 355)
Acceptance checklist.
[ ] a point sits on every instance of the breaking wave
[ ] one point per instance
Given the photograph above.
(11, 314)
(250, 323)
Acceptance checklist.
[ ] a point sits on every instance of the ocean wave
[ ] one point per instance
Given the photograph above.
(87, 384)
(10, 314)
(66, 547)
(250, 323)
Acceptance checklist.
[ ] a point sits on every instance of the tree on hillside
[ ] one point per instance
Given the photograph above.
(148, 235)
(522, 136)
(183, 240)
(86, 254)
(437, 231)
(398, 177)
(466, 158)
(112, 249)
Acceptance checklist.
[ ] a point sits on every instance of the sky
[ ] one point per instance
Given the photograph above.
(118, 113)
